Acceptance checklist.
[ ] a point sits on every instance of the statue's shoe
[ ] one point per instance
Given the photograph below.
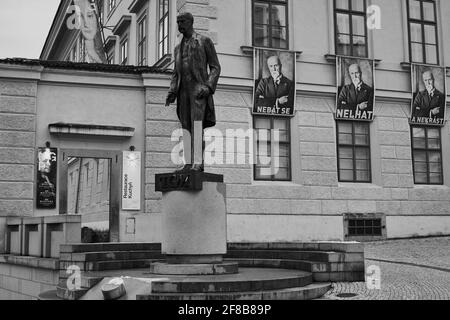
(186, 168)
(198, 168)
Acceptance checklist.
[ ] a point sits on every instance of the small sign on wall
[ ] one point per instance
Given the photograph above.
(46, 178)
(131, 181)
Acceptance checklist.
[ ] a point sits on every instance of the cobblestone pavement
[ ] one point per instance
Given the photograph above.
(412, 269)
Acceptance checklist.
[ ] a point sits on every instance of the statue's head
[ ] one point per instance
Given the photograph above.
(185, 23)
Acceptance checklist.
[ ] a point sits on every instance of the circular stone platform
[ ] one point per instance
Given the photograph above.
(194, 269)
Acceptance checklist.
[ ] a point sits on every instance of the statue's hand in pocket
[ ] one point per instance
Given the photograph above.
(204, 92)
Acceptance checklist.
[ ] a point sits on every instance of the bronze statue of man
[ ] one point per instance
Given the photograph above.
(193, 88)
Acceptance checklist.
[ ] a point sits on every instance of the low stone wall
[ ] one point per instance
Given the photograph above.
(24, 278)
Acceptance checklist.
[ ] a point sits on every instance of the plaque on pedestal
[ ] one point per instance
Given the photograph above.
(185, 181)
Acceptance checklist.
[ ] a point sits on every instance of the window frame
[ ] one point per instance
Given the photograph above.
(123, 61)
(110, 57)
(423, 23)
(354, 147)
(427, 150)
(112, 4)
(163, 48)
(270, 25)
(142, 43)
(255, 146)
(350, 13)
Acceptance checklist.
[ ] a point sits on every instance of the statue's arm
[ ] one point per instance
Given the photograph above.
(174, 82)
(214, 65)
(173, 90)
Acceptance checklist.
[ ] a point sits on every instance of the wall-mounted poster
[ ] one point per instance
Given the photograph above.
(356, 83)
(131, 180)
(274, 91)
(46, 178)
(429, 95)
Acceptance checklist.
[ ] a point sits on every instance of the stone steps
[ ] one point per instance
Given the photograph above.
(64, 293)
(221, 284)
(336, 246)
(102, 247)
(310, 266)
(118, 265)
(319, 256)
(321, 271)
(111, 255)
(49, 295)
(308, 292)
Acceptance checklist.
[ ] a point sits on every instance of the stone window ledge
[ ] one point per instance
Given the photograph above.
(332, 58)
(92, 130)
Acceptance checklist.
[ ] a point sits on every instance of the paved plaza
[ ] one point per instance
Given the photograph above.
(411, 269)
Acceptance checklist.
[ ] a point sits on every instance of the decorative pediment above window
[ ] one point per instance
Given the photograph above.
(90, 130)
(122, 25)
(110, 42)
(248, 50)
(137, 5)
(332, 58)
(165, 62)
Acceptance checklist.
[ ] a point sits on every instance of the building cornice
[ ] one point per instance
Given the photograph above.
(55, 29)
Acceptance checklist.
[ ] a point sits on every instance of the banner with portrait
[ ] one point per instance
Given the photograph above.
(355, 98)
(428, 105)
(86, 18)
(275, 80)
(46, 178)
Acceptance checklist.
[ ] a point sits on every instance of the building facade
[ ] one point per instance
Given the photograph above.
(337, 180)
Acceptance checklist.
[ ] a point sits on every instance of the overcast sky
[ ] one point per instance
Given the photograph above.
(24, 25)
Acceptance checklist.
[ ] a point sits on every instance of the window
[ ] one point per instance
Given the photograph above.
(100, 12)
(82, 49)
(272, 149)
(427, 155)
(111, 58)
(73, 54)
(124, 52)
(111, 5)
(364, 227)
(270, 24)
(423, 38)
(354, 151)
(142, 41)
(163, 37)
(351, 28)
(87, 166)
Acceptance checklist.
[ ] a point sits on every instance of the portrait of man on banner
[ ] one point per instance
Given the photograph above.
(429, 95)
(274, 92)
(355, 97)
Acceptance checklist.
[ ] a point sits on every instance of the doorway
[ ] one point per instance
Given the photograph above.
(89, 181)
(88, 194)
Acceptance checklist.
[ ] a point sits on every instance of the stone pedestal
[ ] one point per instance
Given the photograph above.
(194, 227)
